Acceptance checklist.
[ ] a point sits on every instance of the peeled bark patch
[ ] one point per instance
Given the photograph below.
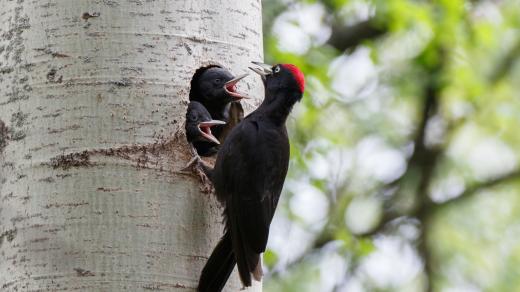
(8, 235)
(88, 15)
(53, 77)
(83, 273)
(18, 119)
(3, 136)
(70, 160)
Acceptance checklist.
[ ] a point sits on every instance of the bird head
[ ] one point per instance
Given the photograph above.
(199, 123)
(281, 77)
(216, 85)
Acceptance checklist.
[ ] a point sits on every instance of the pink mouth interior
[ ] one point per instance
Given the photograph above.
(231, 88)
(206, 130)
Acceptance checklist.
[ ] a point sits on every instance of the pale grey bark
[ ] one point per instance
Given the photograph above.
(92, 101)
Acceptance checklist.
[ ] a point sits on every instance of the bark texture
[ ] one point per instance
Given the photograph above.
(93, 95)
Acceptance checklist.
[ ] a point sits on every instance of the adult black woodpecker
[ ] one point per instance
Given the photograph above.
(215, 88)
(248, 177)
(198, 128)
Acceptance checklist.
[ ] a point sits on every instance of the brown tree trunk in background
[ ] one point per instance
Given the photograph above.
(92, 101)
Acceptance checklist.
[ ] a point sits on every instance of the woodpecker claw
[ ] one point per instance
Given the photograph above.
(190, 163)
(195, 158)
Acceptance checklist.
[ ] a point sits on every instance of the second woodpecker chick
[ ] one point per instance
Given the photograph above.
(198, 129)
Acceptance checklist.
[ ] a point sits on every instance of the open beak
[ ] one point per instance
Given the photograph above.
(205, 130)
(230, 88)
(263, 71)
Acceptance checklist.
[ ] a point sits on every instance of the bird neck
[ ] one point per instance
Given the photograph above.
(277, 106)
(219, 110)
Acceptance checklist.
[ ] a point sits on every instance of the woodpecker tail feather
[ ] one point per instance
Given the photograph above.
(258, 272)
(248, 262)
(218, 267)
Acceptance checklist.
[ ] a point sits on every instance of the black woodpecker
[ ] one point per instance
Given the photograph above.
(248, 177)
(198, 129)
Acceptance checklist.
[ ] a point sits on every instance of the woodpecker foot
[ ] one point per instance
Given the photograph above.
(194, 159)
(196, 164)
(207, 186)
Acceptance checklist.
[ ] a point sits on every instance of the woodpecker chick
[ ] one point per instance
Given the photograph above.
(215, 88)
(198, 129)
(248, 178)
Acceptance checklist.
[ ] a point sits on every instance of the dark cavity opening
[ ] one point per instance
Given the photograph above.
(193, 132)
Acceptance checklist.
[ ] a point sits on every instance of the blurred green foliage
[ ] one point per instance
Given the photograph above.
(404, 170)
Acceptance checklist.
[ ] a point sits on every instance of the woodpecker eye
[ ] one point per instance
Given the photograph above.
(276, 69)
(192, 118)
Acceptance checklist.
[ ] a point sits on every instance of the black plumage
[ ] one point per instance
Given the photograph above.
(248, 178)
(198, 129)
(215, 88)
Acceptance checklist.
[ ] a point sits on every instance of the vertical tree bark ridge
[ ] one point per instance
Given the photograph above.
(92, 101)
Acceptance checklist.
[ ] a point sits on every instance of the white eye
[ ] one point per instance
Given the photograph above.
(276, 69)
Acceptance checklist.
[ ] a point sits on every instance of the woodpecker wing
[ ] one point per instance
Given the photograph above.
(249, 178)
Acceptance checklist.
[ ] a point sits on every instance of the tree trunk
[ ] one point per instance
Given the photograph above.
(93, 95)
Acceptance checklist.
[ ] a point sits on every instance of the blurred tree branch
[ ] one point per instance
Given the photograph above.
(348, 37)
(471, 191)
(427, 160)
(390, 216)
(506, 64)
